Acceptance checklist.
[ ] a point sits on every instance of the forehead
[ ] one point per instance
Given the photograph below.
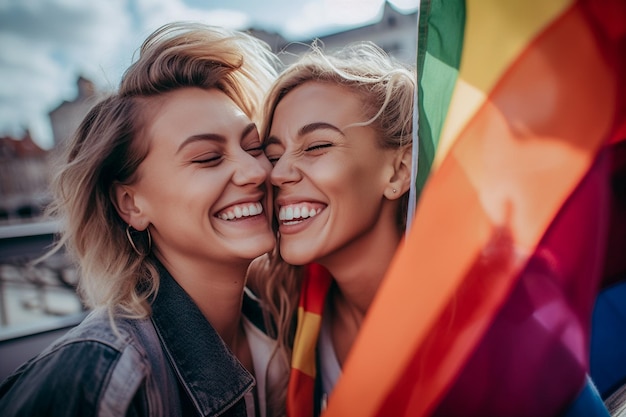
(314, 102)
(180, 114)
(194, 108)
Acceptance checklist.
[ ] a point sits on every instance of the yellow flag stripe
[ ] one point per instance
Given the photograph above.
(303, 357)
(487, 57)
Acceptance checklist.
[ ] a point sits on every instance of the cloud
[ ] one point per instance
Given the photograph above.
(325, 16)
(31, 79)
(405, 5)
(154, 13)
(46, 44)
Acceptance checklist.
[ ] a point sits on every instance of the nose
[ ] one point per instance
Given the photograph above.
(284, 172)
(251, 169)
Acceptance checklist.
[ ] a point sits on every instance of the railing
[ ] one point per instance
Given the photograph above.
(37, 302)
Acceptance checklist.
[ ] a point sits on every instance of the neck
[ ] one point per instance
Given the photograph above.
(216, 289)
(360, 267)
(357, 271)
(346, 316)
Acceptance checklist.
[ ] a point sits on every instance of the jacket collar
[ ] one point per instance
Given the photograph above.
(213, 378)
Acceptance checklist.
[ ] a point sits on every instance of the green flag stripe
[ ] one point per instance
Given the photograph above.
(440, 42)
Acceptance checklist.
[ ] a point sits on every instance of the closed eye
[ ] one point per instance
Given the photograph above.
(273, 159)
(273, 151)
(256, 151)
(208, 160)
(318, 147)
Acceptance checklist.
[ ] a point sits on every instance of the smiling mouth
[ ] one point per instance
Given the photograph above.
(239, 211)
(295, 213)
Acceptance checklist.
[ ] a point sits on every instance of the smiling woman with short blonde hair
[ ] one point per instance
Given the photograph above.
(163, 202)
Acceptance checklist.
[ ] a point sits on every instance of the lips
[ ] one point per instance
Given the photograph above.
(239, 211)
(294, 213)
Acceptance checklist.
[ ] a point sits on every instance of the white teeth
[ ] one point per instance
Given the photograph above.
(237, 212)
(296, 213)
(252, 210)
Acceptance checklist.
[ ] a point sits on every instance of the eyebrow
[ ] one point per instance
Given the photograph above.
(306, 129)
(311, 127)
(214, 137)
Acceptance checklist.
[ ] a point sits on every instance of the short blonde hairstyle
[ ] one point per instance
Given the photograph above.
(110, 144)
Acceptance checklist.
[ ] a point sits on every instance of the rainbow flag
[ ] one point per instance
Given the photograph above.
(486, 307)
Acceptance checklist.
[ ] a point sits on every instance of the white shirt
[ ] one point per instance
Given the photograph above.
(266, 373)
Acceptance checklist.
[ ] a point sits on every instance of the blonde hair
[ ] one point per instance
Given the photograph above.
(110, 144)
(386, 88)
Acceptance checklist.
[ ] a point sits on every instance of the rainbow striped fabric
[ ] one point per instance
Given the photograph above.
(303, 362)
(486, 306)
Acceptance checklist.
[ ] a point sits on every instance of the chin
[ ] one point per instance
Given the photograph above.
(262, 246)
(296, 257)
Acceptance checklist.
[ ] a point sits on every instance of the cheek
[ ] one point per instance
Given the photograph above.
(362, 179)
(204, 189)
(359, 196)
(187, 194)
(148, 191)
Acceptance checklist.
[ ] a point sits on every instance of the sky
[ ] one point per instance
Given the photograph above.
(45, 45)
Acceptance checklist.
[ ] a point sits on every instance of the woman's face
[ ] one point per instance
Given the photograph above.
(329, 176)
(203, 185)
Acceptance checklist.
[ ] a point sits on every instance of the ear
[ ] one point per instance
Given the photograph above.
(123, 198)
(401, 178)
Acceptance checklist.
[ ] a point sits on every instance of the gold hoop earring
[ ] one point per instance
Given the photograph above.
(132, 242)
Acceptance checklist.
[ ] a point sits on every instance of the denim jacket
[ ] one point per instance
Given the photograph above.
(170, 364)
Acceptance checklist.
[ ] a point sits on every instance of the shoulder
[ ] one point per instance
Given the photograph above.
(84, 370)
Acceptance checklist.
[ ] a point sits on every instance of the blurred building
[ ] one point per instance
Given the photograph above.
(68, 115)
(23, 179)
(24, 166)
(395, 32)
